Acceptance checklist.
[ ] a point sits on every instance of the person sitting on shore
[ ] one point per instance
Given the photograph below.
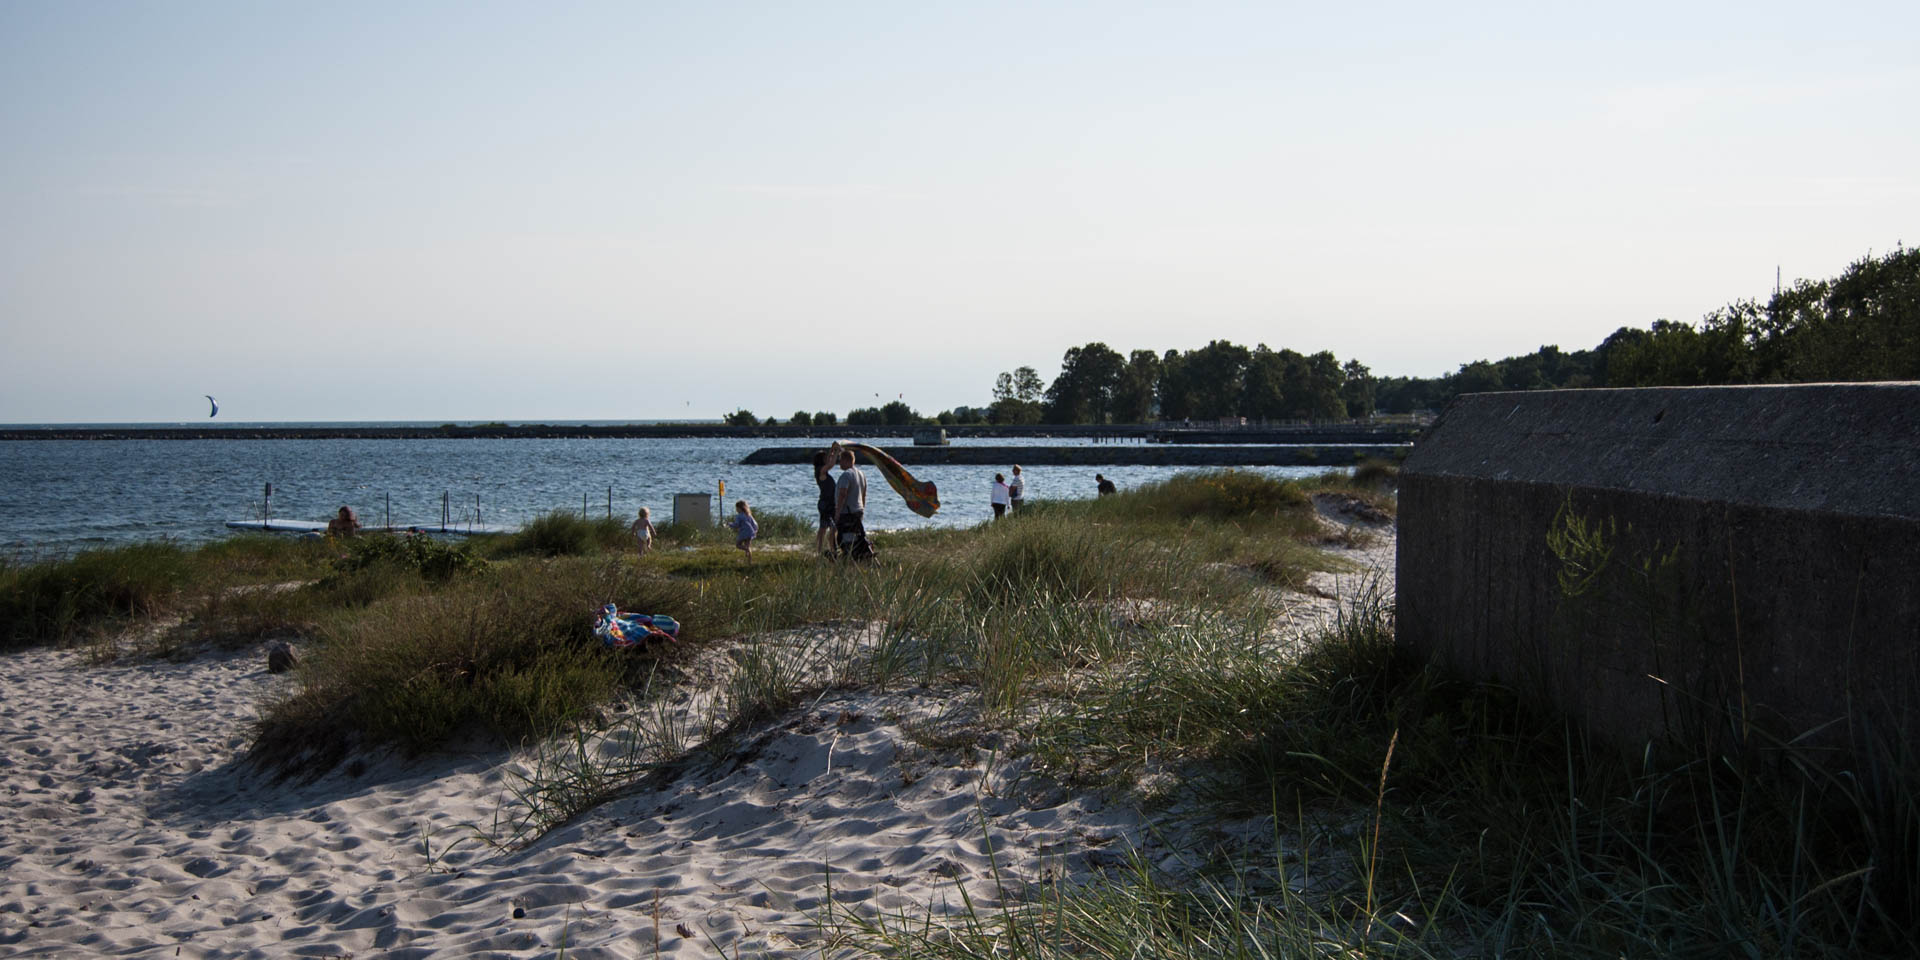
(1104, 485)
(1000, 496)
(1016, 491)
(745, 528)
(344, 524)
(643, 531)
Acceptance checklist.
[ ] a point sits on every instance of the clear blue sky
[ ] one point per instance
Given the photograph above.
(633, 210)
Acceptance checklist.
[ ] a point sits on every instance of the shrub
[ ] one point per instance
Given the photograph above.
(53, 601)
(1235, 495)
(562, 533)
(1375, 472)
(512, 655)
(422, 554)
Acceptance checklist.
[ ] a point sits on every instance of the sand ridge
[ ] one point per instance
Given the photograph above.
(131, 831)
(130, 828)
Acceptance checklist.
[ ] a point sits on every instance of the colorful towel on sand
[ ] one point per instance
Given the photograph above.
(617, 628)
(922, 498)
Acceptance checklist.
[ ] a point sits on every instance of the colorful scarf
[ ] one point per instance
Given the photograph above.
(922, 498)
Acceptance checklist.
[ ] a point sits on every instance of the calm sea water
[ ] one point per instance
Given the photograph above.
(61, 495)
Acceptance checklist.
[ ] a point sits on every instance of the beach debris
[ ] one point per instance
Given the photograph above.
(281, 658)
(618, 628)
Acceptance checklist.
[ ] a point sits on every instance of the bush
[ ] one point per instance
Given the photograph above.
(1231, 495)
(562, 533)
(1375, 472)
(54, 601)
(512, 655)
(422, 554)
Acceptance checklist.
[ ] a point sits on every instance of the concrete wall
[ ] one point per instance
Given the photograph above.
(1680, 563)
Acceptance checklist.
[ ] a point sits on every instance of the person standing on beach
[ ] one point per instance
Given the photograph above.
(745, 528)
(1016, 491)
(850, 503)
(643, 531)
(823, 478)
(1000, 496)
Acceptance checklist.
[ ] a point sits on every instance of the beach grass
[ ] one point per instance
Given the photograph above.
(1125, 645)
(93, 593)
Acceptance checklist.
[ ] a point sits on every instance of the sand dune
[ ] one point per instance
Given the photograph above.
(130, 829)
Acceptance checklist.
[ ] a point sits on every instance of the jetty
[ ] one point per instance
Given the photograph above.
(1116, 455)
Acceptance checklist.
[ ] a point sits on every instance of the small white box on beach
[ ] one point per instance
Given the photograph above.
(693, 508)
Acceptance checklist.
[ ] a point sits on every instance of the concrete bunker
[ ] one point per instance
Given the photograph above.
(1701, 565)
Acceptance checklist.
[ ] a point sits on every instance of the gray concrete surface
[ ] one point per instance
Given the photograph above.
(1751, 569)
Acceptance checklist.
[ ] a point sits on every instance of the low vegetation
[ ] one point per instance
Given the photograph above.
(1126, 644)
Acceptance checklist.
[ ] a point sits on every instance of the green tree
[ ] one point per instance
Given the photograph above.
(1083, 392)
(742, 418)
(897, 414)
(1356, 389)
(1016, 396)
(1133, 395)
(825, 419)
(865, 417)
(1263, 385)
(801, 418)
(1319, 397)
(1204, 383)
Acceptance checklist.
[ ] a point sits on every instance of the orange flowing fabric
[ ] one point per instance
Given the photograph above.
(922, 497)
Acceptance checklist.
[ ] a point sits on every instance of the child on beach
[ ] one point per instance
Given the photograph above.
(745, 528)
(643, 532)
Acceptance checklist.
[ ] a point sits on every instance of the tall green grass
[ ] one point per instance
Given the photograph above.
(562, 533)
(509, 654)
(59, 600)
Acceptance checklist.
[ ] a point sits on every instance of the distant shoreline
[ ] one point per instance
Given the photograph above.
(1333, 433)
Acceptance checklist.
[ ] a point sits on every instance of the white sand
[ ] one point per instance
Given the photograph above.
(128, 829)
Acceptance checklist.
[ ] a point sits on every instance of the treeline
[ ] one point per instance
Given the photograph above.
(1861, 325)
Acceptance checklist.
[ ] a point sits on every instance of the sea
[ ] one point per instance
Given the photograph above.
(61, 496)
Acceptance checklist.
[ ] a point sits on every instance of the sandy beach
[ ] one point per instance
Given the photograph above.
(132, 827)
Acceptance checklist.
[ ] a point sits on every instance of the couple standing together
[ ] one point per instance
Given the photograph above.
(843, 503)
(1008, 494)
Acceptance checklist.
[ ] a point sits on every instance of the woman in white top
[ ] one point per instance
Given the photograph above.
(1001, 496)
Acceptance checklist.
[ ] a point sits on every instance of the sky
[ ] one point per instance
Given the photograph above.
(629, 210)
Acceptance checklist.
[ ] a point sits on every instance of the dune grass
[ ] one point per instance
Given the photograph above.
(91, 593)
(1416, 816)
(1127, 643)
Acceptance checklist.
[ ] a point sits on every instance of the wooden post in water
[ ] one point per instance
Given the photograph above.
(609, 503)
(266, 507)
(446, 509)
(386, 512)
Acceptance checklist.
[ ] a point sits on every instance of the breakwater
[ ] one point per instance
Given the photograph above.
(1112, 455)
